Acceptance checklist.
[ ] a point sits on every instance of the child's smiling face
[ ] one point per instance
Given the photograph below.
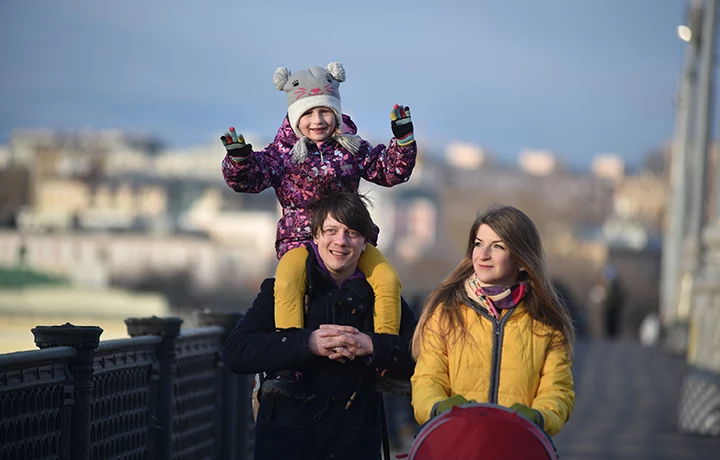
(318, 123)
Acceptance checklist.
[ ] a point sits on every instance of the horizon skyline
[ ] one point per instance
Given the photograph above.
(579, 80)
(489, 161)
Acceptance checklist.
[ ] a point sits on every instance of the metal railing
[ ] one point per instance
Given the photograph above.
(160, 394)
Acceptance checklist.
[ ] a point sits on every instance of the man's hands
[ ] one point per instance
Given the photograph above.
(340, 343)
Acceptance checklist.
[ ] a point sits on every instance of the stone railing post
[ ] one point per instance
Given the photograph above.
(234, 401)
(85, 340)
(168, 329)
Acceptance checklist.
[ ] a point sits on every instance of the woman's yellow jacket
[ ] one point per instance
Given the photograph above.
(505, 362)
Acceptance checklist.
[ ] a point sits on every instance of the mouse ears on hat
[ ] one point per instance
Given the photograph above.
(337, 71)
(282, 74)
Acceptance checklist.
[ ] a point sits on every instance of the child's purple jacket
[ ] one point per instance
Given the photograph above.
(327, 169)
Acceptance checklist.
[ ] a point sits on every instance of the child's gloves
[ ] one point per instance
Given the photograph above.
(235, 145)
(402, 126)
(530, 414)
(447, 404)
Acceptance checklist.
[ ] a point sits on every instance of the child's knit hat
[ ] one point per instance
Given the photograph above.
(307, 89)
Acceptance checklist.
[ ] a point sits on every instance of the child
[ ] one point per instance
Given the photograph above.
(316, 153)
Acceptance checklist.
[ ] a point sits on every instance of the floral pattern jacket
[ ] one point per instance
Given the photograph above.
(328, 168)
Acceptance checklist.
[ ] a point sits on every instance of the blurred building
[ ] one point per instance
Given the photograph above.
(4, 157)
(539, 162)
(107, 207)
(466, 156)
(95, 259)
(642, 197)
(15, 193)
(417, 225)
(75, 204)
(103, 207)
(564, 196)
(125, 160)
(78, 154)
(197, 162)
(68, 175)
(250, 227)
(608, 166)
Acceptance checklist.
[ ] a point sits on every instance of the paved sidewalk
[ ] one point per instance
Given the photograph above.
(626, 407)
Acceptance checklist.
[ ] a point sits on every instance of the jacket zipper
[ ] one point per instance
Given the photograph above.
(333, 320)
(498, 335)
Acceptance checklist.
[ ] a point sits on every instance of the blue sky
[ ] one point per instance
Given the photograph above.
(576, 77)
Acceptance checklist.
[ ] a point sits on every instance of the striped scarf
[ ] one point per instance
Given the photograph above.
(494, 298)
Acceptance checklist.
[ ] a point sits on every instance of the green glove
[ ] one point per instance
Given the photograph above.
(530, 414)
(235, 145)
(447, 404)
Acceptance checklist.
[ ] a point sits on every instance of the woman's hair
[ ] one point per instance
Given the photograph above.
(523, 240)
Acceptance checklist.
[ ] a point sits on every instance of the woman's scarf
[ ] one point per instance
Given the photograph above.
(494, 298)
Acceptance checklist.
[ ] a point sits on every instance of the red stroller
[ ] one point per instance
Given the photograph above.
(482, 432)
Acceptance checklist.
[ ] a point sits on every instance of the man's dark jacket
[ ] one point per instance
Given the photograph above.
(321, 428)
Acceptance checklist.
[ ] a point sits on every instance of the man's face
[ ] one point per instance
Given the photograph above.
(340, 248)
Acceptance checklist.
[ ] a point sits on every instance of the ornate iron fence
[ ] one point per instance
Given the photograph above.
(36, 394)
(161, 394)
(195, 425)
(122, 412)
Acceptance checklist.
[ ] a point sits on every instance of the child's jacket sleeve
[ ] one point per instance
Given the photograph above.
(388, 166)
(261, 170)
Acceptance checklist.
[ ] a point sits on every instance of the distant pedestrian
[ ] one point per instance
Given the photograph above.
(567, 300)
(614, 300)
(605, 304)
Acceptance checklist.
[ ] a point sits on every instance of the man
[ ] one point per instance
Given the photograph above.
(331, 410)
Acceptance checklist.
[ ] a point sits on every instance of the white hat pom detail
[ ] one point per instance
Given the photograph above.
(280, 77)
(337, 71)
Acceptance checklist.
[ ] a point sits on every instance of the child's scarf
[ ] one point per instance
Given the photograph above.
(494, 298)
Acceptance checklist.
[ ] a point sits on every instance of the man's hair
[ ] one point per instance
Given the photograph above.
(348, 208)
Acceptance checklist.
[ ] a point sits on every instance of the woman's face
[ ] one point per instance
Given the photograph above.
(491, 259)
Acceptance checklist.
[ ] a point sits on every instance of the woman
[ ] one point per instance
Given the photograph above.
(494, 331)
